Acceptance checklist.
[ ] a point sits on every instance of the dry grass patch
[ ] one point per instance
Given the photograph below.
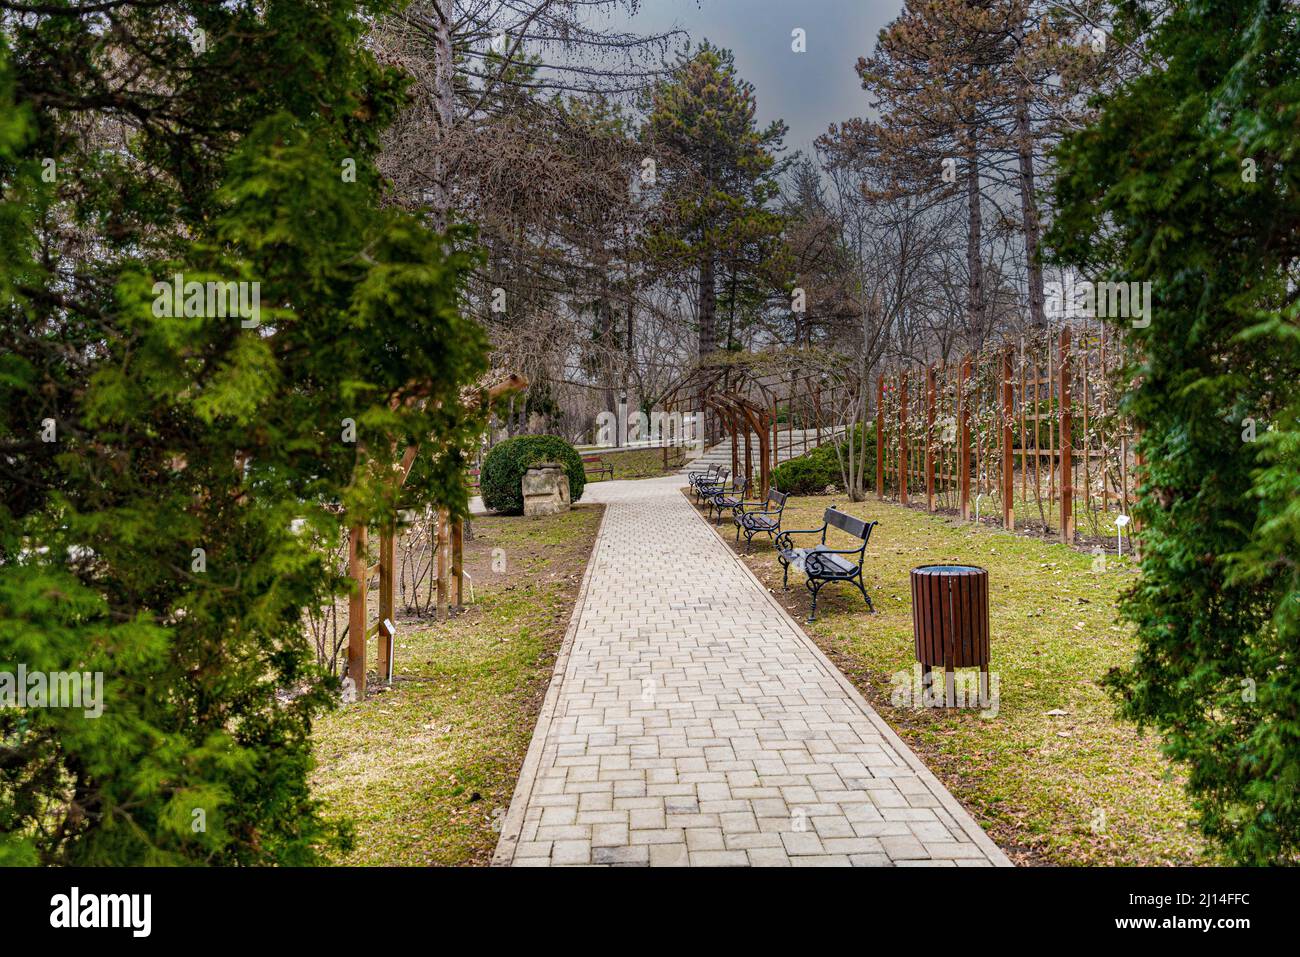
(426, 770)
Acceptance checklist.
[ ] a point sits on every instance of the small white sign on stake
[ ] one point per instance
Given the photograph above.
(392, 646)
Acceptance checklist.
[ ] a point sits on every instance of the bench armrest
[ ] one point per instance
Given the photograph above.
(842, 551)
(804, 531)
(785, 535)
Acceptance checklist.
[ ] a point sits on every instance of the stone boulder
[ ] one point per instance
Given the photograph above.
(545, 487)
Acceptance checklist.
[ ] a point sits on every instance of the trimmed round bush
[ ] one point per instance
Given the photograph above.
(812, 472)
(506, 463)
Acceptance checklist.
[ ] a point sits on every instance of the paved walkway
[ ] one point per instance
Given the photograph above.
(691, 722)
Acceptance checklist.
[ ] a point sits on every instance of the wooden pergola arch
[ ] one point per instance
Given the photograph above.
(745, 391)
(743, 419)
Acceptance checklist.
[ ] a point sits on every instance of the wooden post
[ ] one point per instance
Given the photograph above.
(1024, 443)
(963, 439)
(929, 437)
(1105, 435)
(458, 560)
(749, 454)
(729, 420)
(943, 483)
(1008, 462)
(1038, 452)
(880, 436)
(1123, 473)
(387, 562)
(1135, 537)
(1052, 437)
(736, 423)
(357, 609)
(775, 444)
(789, 424)
(443, 548)
(902, 437)
(1067, 472)
(763, 430)
(1087, 436)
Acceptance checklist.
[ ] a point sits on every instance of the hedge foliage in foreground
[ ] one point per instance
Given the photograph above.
(1190, 178)
(506, 463)
(156, 454)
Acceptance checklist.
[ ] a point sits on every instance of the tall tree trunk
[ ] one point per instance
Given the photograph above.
(629, 352)
(708, 308)
(974, 258)
(1029, 205)
(444, 81)
(606, 345)
(731, 311)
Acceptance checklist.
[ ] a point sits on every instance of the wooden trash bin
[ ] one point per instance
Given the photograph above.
(950, 621)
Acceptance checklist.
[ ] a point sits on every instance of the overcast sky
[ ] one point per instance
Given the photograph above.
(807, 90)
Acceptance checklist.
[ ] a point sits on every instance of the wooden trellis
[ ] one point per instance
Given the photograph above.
(1037, 416)
(448, 549)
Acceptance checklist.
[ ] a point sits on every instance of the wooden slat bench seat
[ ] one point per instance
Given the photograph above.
(595, 465)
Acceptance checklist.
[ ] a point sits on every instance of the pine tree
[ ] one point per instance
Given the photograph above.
(934, 83)
(718, 171)
(969, 93)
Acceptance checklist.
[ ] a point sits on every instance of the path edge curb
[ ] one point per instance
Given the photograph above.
(513, 824)
(941, 793)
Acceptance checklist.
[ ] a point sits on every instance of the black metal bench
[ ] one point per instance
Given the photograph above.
(706, 488)
(751, 521)
(728, 499)
(708, 475)
(823, 565)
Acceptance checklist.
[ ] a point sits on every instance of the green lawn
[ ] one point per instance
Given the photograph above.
(426, 770)
(1076, 787)
(641, 463)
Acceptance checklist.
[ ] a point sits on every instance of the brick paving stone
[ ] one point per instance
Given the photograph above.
(692, 723)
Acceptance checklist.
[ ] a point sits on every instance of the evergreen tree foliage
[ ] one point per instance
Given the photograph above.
(1190, 178)
(719, 173)
(158, 459)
